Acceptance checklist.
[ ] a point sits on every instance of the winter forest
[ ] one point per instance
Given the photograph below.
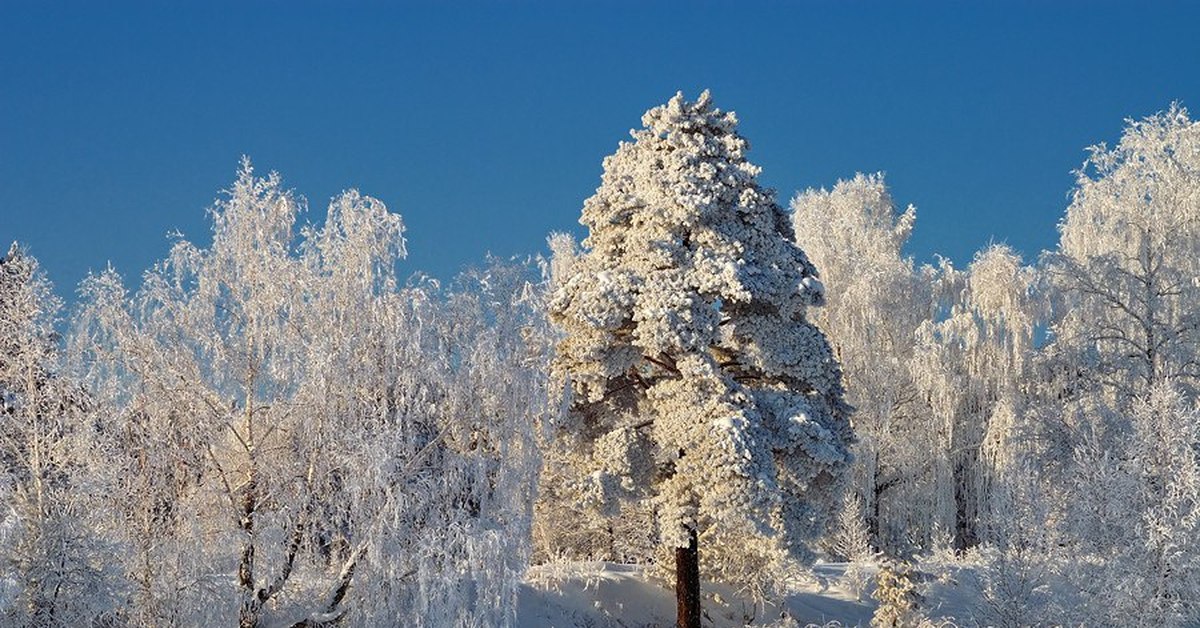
(721, 407)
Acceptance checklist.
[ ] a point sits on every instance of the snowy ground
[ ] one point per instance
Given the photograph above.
(605, 594)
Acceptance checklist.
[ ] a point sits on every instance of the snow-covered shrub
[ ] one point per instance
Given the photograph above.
(1143, 569)
(1015, 572)
(899, 601)
(858, 578)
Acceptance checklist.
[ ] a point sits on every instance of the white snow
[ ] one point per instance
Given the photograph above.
(607, 594)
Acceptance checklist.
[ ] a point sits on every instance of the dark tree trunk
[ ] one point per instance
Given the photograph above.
(966, 504)
(687, 583)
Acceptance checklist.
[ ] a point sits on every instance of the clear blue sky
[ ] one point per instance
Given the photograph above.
(485, 124)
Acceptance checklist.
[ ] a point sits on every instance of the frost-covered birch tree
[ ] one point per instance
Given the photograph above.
(934, 359)
(1121, 368)
(296, 438)
(54, 559)
(698, 381)
(937, 363)
(1132, 519)
(876, 300)
(1126, 268)
(971, 364)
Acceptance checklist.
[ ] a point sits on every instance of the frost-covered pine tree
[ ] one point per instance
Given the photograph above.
(698, 380)
(899, 601)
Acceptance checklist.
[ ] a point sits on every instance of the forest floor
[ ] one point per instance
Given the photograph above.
(603, 595)
(597, 594)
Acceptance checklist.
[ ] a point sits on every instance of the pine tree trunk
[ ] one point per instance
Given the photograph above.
(687, 583)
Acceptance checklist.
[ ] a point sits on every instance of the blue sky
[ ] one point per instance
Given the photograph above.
(485, 125)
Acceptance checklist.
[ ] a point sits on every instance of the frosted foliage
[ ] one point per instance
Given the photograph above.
(934, 360)
(970, 365)
(563, 251)
(876, 301)
(1153, 494)
(899, 601)
(684, 321)
(1127, 263)
(850, 539)
(294, 437)
(51, 557)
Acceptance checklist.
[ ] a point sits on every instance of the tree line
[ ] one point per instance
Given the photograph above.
(278, 429)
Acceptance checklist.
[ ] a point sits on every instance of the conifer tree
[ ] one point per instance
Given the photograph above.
(698, 381)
